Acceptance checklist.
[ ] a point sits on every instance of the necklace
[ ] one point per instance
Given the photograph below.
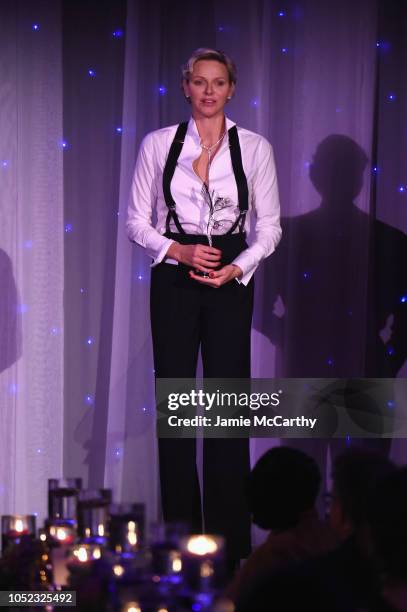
(209, 149)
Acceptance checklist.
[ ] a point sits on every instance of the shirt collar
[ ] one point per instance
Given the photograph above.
(192, 130)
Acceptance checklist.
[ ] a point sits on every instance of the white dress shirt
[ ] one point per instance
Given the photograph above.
(190, 195)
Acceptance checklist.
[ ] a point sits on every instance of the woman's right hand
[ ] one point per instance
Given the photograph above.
(198, 256)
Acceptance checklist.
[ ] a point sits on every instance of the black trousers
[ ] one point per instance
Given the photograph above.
(186, 316)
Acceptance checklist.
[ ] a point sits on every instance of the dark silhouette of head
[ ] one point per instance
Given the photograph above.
(387, 517)
(337, 169)
(283, 484)
(355, 474)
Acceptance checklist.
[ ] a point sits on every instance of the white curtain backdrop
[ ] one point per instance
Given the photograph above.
(306, 71)
(31, 243)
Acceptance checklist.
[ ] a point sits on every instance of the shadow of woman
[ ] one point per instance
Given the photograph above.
(10, 315)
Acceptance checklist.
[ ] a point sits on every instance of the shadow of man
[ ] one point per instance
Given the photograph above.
(335, 291)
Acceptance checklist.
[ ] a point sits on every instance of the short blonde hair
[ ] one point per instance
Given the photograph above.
(204, 53)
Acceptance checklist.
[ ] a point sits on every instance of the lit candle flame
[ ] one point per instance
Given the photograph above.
(19, 526)
(131, 533)
(82, 554)
(61, 534)
(97, 554)
(118, 570)
(201, 545)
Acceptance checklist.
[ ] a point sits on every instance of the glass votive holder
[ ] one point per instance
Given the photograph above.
(93, 515)
(81, 556)
(165, 550)
(203, 561)
(14, 527)
(126, 527)
(61, 532)
(62, 498)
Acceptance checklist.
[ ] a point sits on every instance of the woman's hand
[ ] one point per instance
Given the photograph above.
(197, 256)
(219, 277)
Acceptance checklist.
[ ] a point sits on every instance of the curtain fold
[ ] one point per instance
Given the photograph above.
(31, 255)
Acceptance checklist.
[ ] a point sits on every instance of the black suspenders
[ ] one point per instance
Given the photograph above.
(237, 165)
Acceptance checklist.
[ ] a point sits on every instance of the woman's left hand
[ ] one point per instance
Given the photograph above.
(217, 278)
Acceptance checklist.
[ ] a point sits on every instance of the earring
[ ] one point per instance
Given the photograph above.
(229, 97)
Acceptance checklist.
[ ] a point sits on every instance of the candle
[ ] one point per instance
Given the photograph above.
(202, 558)
(82, 555)
(16, 526)
(93, 515)
(126, 527)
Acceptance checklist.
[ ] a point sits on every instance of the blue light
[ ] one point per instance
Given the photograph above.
(89, 340)
(82, 290)
(347, 440)
(118, 34)
(54, 331)
(330, 361)
(378, 44)
(375, 169)
(144, 409)
(391, 97)
(119, 130)
(221, 29)
(284, 50)
(22, 308)
(36, 27)
(68, 228)
(196, 607)
(255, 102)
(307, 164)
(281, 14)
(117, 452)
(91, 72)
(12, 389)
(4, 163)
(402, 189)
(390, 350)
(305, 275)
(28, 244)
(140, 277)
(39, 451)
(403, 299)
(89, 399)
(162, 90)
(391, 404)
(64, 144)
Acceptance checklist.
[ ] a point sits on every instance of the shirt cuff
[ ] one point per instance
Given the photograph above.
(162, 252)
(246, 264)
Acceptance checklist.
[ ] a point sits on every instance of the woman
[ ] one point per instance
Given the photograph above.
(206, 179)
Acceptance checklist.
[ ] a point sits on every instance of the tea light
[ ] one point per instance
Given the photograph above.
(165, 551)
(202, 558)
(61, 532)
(93, 515)
(16, 526)
(62, 498)
(126, 527)
(82, 555)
